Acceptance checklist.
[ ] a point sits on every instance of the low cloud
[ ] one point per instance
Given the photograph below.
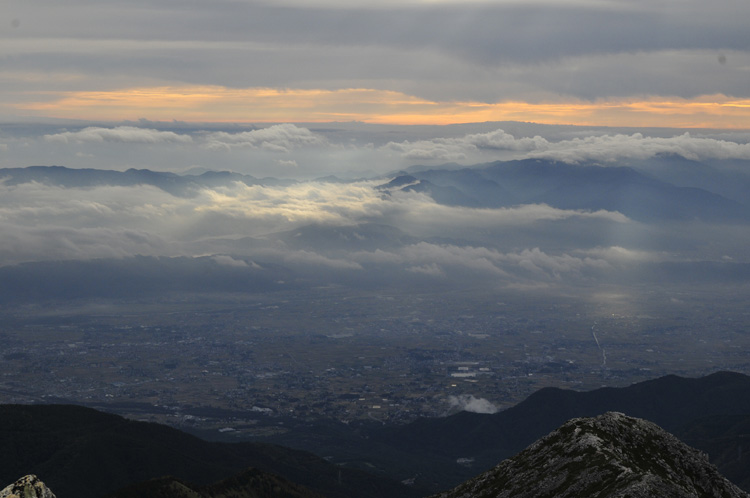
(315, 260)
(420, 212)
(346, 150)
(432, 270)
(48, 222)
(287, 164)
(599, 148)
(481, 263)
(225, 260)
(124, 134)
(609, 148)
(458, 148)
(617, 254)
(321, 231)
(469, 403)
(277, 138)
(23, 244)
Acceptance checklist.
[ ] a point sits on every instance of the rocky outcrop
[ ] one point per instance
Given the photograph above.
(612, 455)
(27, 487)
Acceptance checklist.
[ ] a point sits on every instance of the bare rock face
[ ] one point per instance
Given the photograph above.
(613, 456)
(27, 487)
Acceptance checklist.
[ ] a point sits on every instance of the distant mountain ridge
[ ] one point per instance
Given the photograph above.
(711, 413)
(678, 189)
(61, 442)
(251, 483)
(588, 186)
(179, 185)
(608, 456)
(84, 453)
(672, 402)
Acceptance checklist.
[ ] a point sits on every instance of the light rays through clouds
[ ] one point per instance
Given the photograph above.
(356, 229)
(48, 222)
(305, 90)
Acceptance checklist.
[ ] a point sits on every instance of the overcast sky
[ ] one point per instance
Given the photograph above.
(360, 89)
(618, 63)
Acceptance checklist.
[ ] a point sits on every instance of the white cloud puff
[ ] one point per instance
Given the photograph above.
(469, 403)
(609, 148)
(457, 148)
(432, 270)
(225, 260)
(618, 254)
(124, 134)
(276, 138)
(443, 260)
(600, 148)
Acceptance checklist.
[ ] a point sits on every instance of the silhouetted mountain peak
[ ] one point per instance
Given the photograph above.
(611, 455)
(27, 487)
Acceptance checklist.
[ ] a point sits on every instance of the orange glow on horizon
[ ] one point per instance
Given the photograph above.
(269, 105)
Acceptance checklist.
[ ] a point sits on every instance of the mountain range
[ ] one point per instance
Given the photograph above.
(536, 221)
(662, 188)
(589, 186)
(179, 185)
(711, 413)
(609, 456)
(62, 442)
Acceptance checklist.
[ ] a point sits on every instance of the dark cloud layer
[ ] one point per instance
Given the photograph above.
(447, 50)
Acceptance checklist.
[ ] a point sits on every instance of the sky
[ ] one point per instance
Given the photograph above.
(363, 91)
(666, 63)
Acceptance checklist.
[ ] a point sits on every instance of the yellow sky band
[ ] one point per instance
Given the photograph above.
(257, 105)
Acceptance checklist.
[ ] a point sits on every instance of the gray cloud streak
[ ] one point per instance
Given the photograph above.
(603, 148)
(449, 51)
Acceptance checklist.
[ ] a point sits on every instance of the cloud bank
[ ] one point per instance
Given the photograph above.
(600, 148)
(352, 232)
(124, 134)
(349, 150)
(276, 138)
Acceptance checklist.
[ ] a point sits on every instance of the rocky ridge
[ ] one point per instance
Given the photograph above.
(27, 487)
(611, 455)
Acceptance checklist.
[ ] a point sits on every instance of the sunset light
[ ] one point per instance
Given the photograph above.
(268, 105)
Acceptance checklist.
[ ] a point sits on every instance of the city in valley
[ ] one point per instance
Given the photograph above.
(244, 366)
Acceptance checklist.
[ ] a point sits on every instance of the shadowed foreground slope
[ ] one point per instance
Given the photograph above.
(87, 454)
(612, 455)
